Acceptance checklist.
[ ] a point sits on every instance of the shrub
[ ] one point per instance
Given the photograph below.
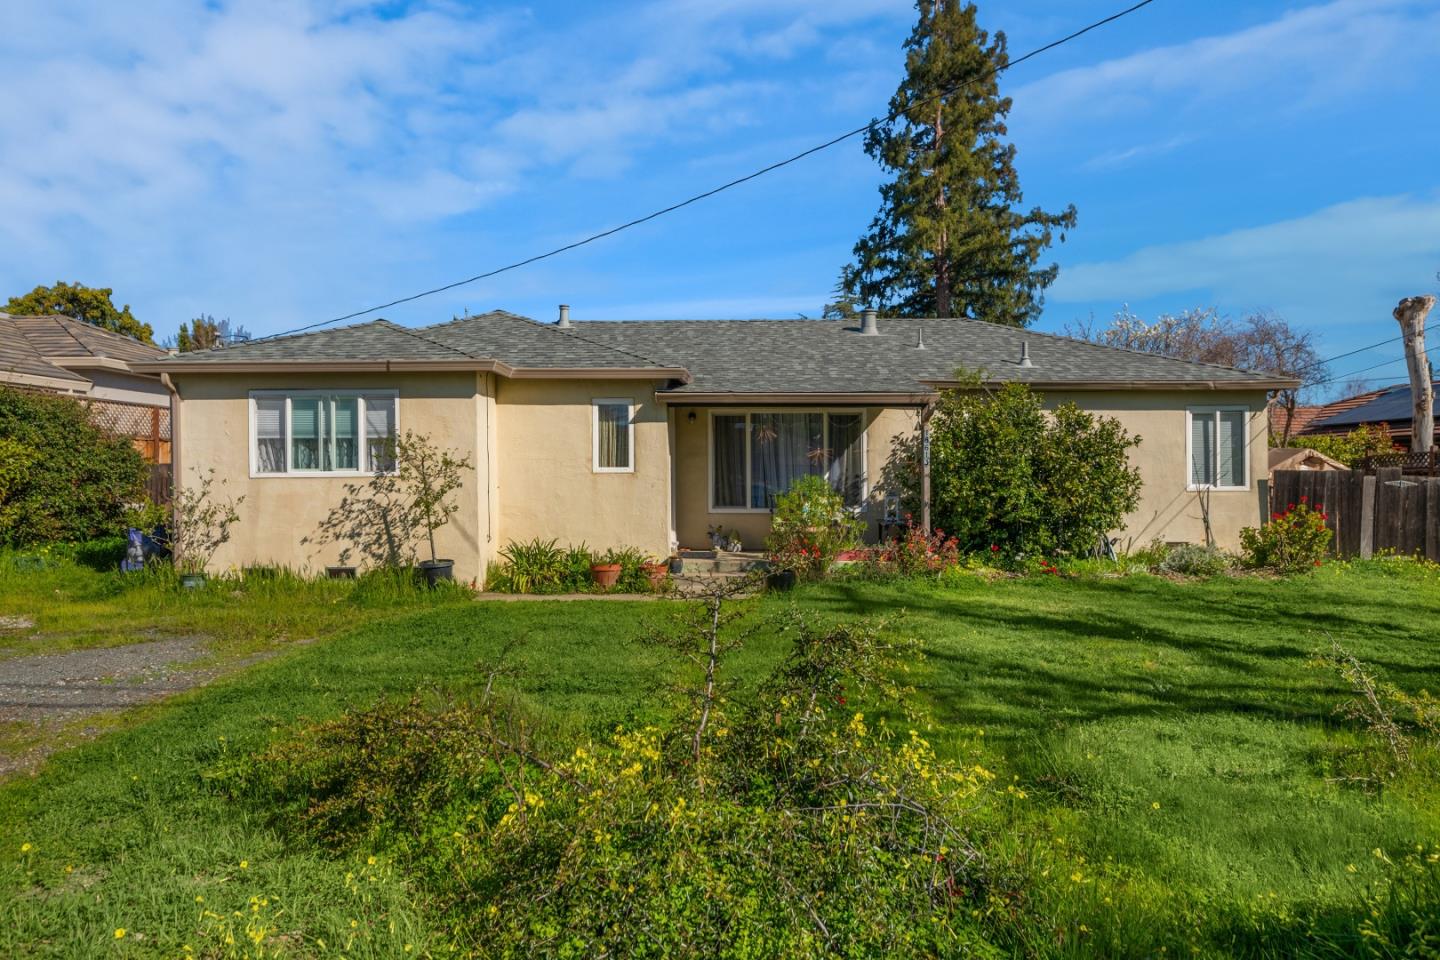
(913, 554)
(791, 825)
(1294, 541)
(77, 478)
(1195, 560)
(810, 526)
(1007, 474)
(543, 566)
(1366, 440)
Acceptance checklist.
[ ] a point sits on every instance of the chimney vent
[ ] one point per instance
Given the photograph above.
(1025, 354)
(564, 322)
(867, 322)
(919, 336)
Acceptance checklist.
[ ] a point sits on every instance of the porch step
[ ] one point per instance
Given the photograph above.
(709, 563)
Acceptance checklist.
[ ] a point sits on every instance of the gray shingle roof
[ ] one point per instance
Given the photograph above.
(747, 356)
(56, 336)
(787, 356)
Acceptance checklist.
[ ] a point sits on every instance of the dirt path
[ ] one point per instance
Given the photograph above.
(41, 696)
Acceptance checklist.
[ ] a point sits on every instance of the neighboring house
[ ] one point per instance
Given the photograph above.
(647, 433)
(1301, 458)
(1391, 406)
(63, 355)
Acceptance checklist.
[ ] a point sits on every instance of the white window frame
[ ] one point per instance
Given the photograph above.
(749, 454)
(357, 393)
(1214, 411)
(595, 405)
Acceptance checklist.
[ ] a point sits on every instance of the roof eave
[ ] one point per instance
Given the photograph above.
(733, 398)
(401, 366)
(1271, 384)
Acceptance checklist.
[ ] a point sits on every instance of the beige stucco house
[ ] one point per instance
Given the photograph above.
(647, 433)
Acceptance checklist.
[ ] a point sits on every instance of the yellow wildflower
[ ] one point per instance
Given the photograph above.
(119, 932)
(1155, 805)
(244, 864)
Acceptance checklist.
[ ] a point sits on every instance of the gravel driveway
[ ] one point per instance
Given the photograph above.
(53, 691)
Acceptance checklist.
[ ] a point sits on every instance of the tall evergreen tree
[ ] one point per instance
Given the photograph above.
(949, 240)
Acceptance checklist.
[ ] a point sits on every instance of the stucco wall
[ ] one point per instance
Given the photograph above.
(1168, 511)
(692, 487)
(126, 387)
(279, 512)
(547, 485)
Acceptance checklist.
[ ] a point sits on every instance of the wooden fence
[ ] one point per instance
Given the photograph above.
(1380, 512)
(158, 484)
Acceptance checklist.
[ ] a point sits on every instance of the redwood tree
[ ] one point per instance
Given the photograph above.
(949, 239)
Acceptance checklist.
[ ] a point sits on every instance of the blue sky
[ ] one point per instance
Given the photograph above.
(284, 162)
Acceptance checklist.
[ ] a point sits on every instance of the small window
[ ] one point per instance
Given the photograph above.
(614, 440)
(316, 432)
(1218, 448)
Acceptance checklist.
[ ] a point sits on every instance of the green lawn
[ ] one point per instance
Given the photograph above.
(1172, 739)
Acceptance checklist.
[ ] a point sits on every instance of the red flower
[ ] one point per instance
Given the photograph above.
(1303, 498)
(994, 548)
(1320, 506)
(1324, 516)
(1317, 563)
(1291, 507)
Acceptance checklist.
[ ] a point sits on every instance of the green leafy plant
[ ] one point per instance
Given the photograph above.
(63, 478)
(1294, 541)
(1012, 480)
(810, 526)
(1195, 560)
(1366, 440)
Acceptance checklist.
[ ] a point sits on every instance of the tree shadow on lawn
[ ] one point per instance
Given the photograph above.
(1089, 662)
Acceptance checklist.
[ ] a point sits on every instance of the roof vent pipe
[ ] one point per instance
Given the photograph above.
(1025, 354)
(867, 322)
(919, 337)
(564, 322)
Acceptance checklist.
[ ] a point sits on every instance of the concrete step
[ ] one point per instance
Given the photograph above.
(711, 563)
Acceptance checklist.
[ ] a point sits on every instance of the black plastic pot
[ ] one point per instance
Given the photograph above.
(781, 580)
(436, 570)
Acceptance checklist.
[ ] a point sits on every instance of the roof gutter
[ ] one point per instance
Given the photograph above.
(681, 398)
(1272, 384)
(402, 366)
(77, 385)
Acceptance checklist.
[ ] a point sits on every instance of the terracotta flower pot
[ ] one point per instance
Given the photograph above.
(657, 572)
(605, 575)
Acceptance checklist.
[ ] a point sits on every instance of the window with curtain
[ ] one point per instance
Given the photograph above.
(1218, 448)
(270, 435)
(315, 432)
(614, 436)
(755, 457)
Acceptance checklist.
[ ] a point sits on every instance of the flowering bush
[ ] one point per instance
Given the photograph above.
(1294, 541)
(913, 554)
(793, 825)
(810, 527)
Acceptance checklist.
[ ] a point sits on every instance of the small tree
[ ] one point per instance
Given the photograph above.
(386, 518)
(200, 523)
(1006, 474)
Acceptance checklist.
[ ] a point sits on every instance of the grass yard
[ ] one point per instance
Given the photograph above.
(1175, 744)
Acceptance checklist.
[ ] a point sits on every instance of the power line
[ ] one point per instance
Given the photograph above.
(890, 117)
(1347, 376)
(1342, 356)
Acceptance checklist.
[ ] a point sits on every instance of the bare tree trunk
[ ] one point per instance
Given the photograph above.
(943, 307)
(1411, 313)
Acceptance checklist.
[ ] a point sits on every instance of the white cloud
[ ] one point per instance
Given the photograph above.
(1314, 54)
(1348, 262)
